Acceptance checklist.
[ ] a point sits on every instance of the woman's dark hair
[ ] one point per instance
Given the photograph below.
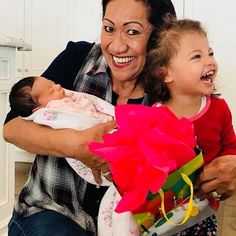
(20, 97)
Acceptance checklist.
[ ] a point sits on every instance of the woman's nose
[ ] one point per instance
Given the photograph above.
(118, 44)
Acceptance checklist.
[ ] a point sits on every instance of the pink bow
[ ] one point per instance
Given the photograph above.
(150, 143)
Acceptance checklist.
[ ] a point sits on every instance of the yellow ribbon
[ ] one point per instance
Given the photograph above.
(190, 204)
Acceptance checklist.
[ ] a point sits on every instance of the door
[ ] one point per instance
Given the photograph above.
(7, 169)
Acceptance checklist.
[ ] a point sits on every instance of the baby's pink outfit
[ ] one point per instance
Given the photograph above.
(80, 103)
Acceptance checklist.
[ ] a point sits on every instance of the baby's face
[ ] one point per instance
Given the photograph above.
(44, 91)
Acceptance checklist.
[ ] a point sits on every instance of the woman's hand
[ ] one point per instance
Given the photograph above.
(40, 139)
(218, 178)
(96, 164)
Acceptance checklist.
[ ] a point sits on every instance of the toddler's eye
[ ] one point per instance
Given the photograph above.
(197, 56)
(109, 29)
(211, 54)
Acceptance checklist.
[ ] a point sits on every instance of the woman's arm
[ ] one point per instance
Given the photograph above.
(44, 140)
(34, 138)
(72, 143)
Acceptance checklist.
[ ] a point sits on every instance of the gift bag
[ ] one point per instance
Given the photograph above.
(153, 165)
(174, 208)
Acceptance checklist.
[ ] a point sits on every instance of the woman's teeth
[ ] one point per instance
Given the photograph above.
(121, 60)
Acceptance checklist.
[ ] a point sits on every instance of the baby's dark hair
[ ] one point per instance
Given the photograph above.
(20, 97)
(159, 57)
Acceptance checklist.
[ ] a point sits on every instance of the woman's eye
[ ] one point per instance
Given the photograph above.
(109, 29)
(211, 54)
(133, 32)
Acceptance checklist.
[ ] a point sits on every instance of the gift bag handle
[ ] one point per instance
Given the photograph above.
(188, 181)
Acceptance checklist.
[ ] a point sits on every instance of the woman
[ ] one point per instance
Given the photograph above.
(55, 200)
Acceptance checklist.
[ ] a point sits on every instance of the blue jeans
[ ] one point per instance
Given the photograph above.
(46, 223)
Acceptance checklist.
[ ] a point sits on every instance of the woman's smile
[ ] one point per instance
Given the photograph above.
(122, 60)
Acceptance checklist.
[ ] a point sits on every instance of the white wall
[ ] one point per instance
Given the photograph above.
(11, 13)
(87, 20)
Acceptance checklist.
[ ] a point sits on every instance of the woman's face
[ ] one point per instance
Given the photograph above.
(125, 33)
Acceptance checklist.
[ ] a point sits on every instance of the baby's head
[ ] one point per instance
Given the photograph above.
(32, 93)
(44, 90)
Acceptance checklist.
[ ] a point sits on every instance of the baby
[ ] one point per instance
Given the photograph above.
(32, 93)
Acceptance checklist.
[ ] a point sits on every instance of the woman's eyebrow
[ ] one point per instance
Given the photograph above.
(106, 19)
(133, 22)
(126, 23)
